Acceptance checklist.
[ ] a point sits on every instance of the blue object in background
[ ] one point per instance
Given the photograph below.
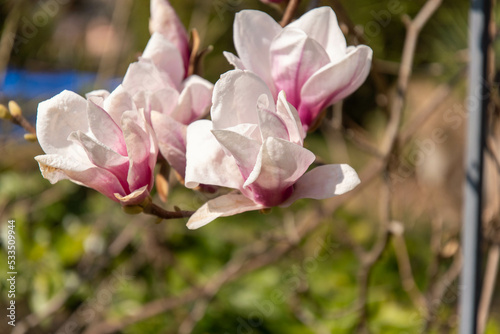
(22, 84)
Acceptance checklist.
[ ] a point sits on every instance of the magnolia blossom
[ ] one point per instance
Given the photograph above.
(308, 59)
(111, 151)
(156, 84)
(165, 21)
(255, 146)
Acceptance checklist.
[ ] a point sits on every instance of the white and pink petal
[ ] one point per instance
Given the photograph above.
(194, 101)
(294, 59)
(166, 57)
(234, 60)
(334, 82)
(243, 149)
(279, 165)
(57, 118)
(104, 129)
(55, 168)
(206, 160)
(291, 118)
(222, 206)
(324, 182)
(165, 21)
(140, 149)
(253, 33)
(171, 137)
(236, 97)
(321, 25)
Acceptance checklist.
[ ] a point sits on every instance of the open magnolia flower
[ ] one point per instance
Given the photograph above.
(308, 59)
(255, 146)
(156, 83)
(112, 152)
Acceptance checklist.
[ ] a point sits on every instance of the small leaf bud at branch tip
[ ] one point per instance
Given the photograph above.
(30, 137)
(15, 109)
(4, 112)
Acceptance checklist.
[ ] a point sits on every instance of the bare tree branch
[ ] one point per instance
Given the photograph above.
(412, 33)
(490, 277)
(290, 10)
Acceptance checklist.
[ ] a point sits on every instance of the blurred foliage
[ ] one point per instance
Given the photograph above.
(70, 238)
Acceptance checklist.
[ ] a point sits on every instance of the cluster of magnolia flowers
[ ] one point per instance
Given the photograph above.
(260, 113)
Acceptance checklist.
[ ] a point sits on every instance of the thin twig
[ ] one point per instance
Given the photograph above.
(209, 291)
(493, 207)
(438, 98)
(356, 134)
(196, 314)
(8, 37)
(165, 304)
(435, 243)
(412, 33)
(305, 316)
(331, 130)
(109, 60)
(159, 212)
(369, 259)
(290, 10)
(439, 288)
(24, 123)
(405, 271)
(493, 149)
(378, 79)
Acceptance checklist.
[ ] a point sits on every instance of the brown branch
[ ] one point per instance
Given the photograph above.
(109, 60)
(358, 137)
(439, 288)
(435, 243)
(8, 36)
(378, 79)
(423, 114)
(412, 33)
(490, 276)
(24, 123)
(332, 131)
(404, 266)
(364, 274)
(290, 10)
(493, 208)
(159, 212)
(493, 150)
(196, 314)
(18, 118)
(194, 47)
(305, 316)
(369, 259)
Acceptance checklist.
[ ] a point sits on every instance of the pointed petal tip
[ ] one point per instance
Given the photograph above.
(222, 206)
